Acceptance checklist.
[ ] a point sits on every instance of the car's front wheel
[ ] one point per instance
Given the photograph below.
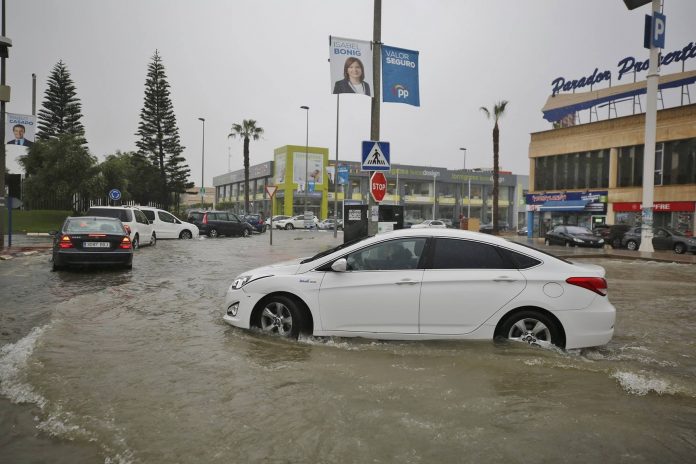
(289, 227)
(213, 233)
(532, 327)
(245, 232)
(679, 248)
(186, 235)
(282, 316)
(632, 245)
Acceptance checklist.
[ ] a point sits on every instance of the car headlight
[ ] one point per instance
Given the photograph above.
(601, 240)
(578, 240)
(241, 281)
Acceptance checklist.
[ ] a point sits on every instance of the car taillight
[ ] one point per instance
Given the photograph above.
(205, 218)
(126, 243)
(595, 284)
(65, 242)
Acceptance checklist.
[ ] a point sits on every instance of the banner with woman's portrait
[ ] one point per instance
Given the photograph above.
(351, 66)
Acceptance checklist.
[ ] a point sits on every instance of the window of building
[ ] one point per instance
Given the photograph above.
(572, 171)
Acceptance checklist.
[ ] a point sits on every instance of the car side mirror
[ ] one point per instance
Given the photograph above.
(340, 265)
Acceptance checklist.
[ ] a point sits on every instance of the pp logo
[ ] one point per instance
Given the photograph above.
(399, 91)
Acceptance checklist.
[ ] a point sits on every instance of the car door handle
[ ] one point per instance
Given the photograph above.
(504, 279)
(407, 282)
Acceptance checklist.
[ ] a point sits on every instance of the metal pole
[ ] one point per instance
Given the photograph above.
(649, 149)
(464, 169)
(3, 153)
(33, 94)
(306, 164)
(434, 195)
(376, 97)
(203, 165)
(468, 202)
(338, 103)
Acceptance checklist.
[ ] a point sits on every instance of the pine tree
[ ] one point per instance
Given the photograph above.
(159, 135)
(61, 110)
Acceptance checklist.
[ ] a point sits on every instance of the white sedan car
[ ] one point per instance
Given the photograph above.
(295, 222)
(428, 223)
(416, 284)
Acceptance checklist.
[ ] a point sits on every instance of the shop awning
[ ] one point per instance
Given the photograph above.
(559, 106)
(564, 206)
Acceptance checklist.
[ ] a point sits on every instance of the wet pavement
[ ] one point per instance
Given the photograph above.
(137, 366)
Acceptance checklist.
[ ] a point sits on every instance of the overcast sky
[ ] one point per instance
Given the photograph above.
(230, 60)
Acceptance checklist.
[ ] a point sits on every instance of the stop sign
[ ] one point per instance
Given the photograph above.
(378, 186)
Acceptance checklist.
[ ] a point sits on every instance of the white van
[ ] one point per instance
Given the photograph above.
(167, 225)
(141, 231)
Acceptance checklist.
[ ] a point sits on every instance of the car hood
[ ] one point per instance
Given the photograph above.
(283, 268)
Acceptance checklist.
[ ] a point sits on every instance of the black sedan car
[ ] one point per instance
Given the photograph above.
(573, 236)
(216, 223)
(663, 239)
(92, 240)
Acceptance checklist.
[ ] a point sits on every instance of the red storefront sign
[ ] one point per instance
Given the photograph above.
(658, 206)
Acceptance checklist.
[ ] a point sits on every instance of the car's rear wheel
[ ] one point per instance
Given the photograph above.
(153, 239)
(245, 232)
(56, 267)
(186, 235)
(679, 248)
(632, 245)
(136, 242)
(534, 328)
(289, 227)
(547, 242)
(263, 230)
(282, 316)
(213, 233)
(616, 243)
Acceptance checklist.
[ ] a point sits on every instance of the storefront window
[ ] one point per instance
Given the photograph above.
(572, 171)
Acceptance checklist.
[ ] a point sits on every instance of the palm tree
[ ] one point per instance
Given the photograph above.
(247, 130)
(497, 113)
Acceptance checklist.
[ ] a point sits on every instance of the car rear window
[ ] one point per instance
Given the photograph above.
(92, 224)
(124, 215)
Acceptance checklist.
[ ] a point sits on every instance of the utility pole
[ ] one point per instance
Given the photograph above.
(376, 97)
(5, 44)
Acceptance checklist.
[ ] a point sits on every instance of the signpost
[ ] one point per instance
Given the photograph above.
(271, 191)
(378, 186)
(375, 156)
(115, 195)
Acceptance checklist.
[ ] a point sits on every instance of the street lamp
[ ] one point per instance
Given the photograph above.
(464, 149)
(306, 159)
(202, 164)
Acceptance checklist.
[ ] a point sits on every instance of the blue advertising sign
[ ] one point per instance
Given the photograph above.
(400, 76)
(375, 156)
(343, 174)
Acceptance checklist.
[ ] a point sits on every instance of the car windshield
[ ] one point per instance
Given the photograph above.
(578, 230)
(92, 225)
(331, 250)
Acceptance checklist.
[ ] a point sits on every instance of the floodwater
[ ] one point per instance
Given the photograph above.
(138, 367)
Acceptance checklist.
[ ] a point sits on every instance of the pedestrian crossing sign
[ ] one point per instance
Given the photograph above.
(375, 156)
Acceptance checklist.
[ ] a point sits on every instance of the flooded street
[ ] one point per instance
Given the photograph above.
(120, 367)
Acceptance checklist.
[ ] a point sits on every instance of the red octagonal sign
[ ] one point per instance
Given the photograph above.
(378, 186)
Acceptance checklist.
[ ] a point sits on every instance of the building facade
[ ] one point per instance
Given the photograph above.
(425, 192)
(592, 173)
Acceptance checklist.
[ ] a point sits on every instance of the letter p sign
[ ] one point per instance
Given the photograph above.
(657, 30)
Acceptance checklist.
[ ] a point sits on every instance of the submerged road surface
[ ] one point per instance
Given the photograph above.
(117, 367)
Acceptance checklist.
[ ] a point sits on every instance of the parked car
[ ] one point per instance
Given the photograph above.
(488, 228)
(88, 240)
(573, 236)
(328, 224)
(138, 226)
(663, 239)
(216, 223)
(428, 284)
(276, 218)
(612, 234)
(256, 222)
(295, 222)
(522, 231)
(167, 225)
(428, 223)
(448, 223)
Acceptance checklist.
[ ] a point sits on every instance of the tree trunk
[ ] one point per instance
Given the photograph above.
(246, 175)
(496, 186)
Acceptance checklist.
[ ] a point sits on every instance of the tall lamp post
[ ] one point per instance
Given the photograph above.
(203, 165)
(469, 196)
(306, 161)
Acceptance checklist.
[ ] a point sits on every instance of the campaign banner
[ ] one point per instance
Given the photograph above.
(351, 66)
(343, 174)
(20, 129)
(313, 166)
(400, 76)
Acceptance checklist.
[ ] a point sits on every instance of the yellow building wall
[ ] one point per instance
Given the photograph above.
(284, 176)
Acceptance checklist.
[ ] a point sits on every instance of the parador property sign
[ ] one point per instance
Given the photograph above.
(626, 65)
